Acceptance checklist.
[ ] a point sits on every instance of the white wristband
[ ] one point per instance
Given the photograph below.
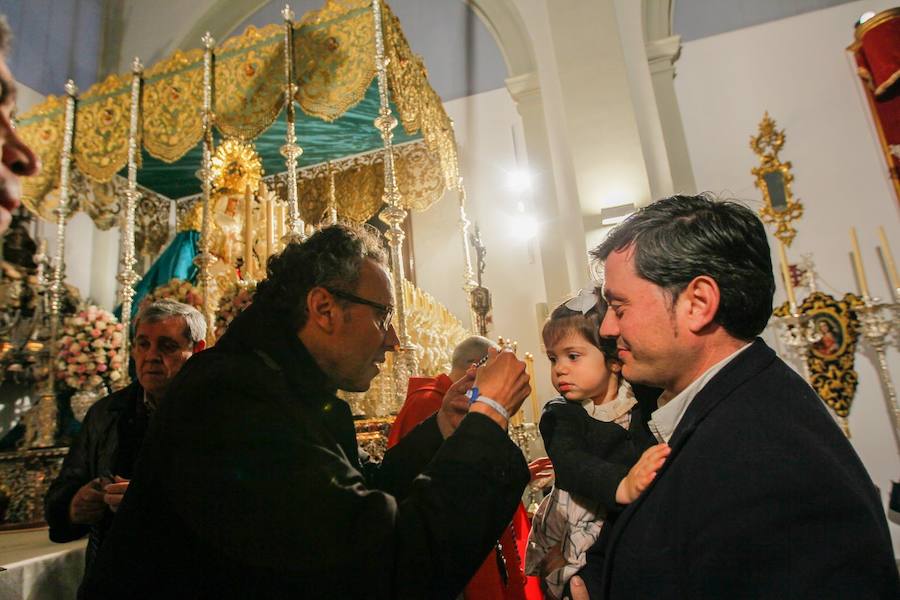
(493, 404)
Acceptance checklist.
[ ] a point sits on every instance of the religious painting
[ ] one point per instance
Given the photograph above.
(828, 330)
(833, 333)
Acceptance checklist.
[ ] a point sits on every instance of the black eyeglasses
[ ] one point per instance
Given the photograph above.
(386, 309)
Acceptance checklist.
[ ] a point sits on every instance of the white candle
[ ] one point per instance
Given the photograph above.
(786, 275)
(857, 263)
(247, 270)
(889, 261)
(270, 226)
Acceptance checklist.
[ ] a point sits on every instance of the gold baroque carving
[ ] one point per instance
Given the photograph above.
(359, 183)
(831, 358)
(773, 178)
(27, 475)
(188, 214)
(151, 224)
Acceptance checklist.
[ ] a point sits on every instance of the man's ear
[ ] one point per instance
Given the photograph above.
(322, 310)
(700, 302)
(199, 346)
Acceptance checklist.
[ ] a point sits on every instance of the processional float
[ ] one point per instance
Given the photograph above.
(217, 131)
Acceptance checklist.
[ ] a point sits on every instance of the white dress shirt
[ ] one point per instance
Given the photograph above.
(665, 419)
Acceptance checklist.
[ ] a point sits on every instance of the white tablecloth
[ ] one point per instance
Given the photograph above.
(38, 569)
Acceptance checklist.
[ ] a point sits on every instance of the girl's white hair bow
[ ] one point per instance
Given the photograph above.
(583, 302)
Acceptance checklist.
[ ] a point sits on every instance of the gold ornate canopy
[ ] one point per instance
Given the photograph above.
(348, 66)
(333, 66)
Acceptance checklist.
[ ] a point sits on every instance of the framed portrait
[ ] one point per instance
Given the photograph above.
(834, 333)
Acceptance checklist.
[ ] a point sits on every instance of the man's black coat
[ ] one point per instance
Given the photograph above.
(108, 444)
(250, 484)
(762, 497)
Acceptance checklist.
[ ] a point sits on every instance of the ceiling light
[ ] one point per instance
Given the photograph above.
(518, 180)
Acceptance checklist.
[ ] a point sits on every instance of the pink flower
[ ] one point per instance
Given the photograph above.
(95, 333)
(101, 368)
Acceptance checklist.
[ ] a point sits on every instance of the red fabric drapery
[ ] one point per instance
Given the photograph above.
(877, 54)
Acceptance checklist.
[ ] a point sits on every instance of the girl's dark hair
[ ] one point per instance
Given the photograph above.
(563, 321)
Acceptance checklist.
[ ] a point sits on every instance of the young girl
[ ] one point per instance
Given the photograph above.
(594, 434)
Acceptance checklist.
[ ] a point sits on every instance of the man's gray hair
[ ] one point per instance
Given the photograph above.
(5, 35)
(468, 348)
(195, 324)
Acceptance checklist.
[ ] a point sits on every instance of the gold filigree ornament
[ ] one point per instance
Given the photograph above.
(249, 85)
(172, 105)
(773, 178)
(334, 61)
(235, 167)
(42, 129)
(831, 356)
(101, 128)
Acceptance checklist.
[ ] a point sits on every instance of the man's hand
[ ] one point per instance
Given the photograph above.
(87, 505)
(455, 405)
(114, 492)
(579, 590)
(503, 379)
(642, 473)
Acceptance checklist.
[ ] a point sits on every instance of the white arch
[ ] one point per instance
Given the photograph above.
(505, 23)
(657, 19)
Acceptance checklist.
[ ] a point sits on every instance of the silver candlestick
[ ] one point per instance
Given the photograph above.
(878, 320)
(798, 333)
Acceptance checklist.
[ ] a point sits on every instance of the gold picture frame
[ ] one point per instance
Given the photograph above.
(773, 179)
(831, 356)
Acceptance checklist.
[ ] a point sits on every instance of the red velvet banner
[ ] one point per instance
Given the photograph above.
(877, 54)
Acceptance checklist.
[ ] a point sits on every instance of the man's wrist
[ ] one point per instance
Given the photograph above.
(474, 395)
(489, 412)
(444, 425)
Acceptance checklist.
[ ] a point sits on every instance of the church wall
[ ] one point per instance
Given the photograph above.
(798, 70)
(488, 131)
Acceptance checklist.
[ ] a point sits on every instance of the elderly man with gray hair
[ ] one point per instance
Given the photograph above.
(99, 466)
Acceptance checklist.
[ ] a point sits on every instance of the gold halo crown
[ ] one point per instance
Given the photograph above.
(235, 167)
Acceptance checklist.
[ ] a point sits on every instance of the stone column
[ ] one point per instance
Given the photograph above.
(661, 56)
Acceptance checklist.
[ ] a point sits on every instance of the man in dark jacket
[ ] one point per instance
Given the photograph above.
(97, 470)
(251, 483)
(761, 496)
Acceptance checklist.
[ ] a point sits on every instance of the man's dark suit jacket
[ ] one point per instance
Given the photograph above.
(762, 497)
(250, 484)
